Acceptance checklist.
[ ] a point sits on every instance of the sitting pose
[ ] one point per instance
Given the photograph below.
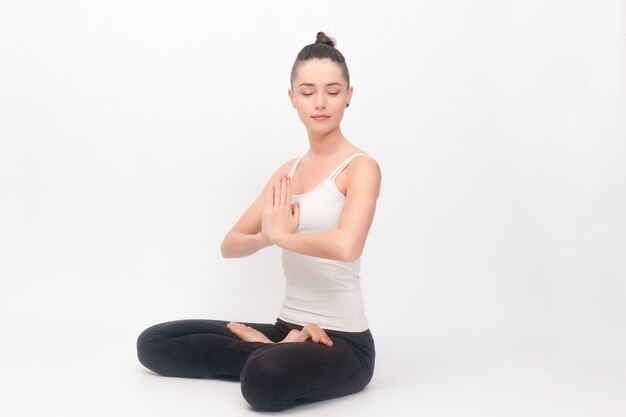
(318, 208)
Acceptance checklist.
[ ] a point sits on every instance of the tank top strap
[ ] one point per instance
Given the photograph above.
(294, 166)
(343, 165)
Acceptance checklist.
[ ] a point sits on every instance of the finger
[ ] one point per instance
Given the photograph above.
(277, 193)
(269, 198)
(273, 191)
(288, 195)
(283, 191)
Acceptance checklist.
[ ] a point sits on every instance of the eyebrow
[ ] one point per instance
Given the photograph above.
(313, 85)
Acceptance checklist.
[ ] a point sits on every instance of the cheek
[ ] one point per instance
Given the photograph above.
(339, 105)
(302, 113)
(299, 104)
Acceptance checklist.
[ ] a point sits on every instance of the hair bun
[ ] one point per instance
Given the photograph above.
(322, 38)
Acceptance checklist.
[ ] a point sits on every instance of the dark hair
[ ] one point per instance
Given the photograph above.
(324, 47)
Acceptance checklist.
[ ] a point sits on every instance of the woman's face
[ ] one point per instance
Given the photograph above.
(319, 88)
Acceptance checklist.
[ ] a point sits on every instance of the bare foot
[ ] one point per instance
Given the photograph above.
(316, 334)
(293, 336)
(247, 333)
(311, 331)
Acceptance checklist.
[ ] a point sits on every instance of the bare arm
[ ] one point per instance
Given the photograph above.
(245, 237)
(238, 245)
(346, 242)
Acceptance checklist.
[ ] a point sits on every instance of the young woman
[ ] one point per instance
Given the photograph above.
(318, 208)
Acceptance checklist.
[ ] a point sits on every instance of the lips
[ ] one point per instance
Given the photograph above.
(320, 117)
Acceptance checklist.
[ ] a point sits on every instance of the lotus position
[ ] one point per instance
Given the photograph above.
(318, 208)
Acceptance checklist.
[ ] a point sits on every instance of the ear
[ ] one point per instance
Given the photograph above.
(290, 94)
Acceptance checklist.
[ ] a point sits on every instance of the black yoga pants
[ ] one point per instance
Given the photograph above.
(273, 376)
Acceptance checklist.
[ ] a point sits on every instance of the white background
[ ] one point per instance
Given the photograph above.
(133, 134)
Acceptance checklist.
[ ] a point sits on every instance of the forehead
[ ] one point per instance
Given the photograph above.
(319, 72)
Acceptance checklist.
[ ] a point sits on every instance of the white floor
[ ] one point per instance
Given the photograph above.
(79, 373)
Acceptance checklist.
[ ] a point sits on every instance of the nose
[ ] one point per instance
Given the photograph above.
(320, 102)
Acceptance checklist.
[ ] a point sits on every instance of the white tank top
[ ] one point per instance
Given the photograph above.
(319, 290)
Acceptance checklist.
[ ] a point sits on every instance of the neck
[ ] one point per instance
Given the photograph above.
(326, 144)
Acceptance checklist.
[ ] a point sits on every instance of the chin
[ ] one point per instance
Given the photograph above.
(322, 129)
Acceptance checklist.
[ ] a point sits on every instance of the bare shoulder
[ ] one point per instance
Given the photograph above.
(366, 162)
(285, 168)
(364, 172)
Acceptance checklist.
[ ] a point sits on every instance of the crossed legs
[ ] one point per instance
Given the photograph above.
(275, 364)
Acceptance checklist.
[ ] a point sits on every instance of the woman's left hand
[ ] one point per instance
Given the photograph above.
(279, 215)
